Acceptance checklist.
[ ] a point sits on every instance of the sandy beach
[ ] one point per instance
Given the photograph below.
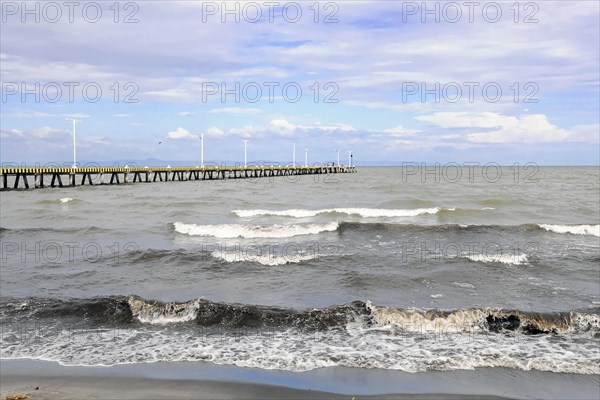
(76, 388)
(187, 380)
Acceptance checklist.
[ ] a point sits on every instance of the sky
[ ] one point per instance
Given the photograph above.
(390, 81)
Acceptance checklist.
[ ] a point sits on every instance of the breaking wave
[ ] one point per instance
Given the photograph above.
(484, 319)
(130, 329)
(268, 260)
(511, 259)
(593, 230)
(254, 231)
(127, 309)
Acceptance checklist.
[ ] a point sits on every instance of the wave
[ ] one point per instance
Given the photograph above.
(593, 230)
(511, 259)
(66, 199)
(464, 285)
(476, 228)
(129, 329)
(283, 231)
(268, 260)
(265, 255)
(254, 231)
(484, 319)
(131, 309)
(104, 310)
(362, 212)
(153, 312)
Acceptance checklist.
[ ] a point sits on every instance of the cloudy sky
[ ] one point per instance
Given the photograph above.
(391, 81)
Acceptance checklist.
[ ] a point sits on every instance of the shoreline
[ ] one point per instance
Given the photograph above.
(203, 380)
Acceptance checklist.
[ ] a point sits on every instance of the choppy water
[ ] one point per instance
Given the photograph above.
(376, 269)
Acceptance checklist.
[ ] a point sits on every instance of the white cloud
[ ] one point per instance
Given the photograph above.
(180, 133)
(399, 131)
(186, 114)
(45, 133)
(468, 120)
(586, 133)
(334, 127)
(526, 129)
(246, 131)
(214, 131)
(12, 133)
(533, 128)
(282, 127)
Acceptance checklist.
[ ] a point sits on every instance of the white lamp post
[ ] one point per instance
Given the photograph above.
(294, 154)
(338, 158)
(306, 157)
(74, 142)
(202, 150)
(349, 158)
(245, 144)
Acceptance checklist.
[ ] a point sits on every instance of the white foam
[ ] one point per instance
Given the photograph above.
(269, 259)
(66, 199)
(586, 321)
(302, 350)
(593, 230)
(362, 212)
(225, 231)
(512, 259)
(464, 285)
(164, 313)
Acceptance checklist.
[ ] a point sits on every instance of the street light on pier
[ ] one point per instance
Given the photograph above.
(294, 154)
(74, 142)
(201, 149)
(349, 158)
(338, 158)
(245, 145)
(306, 157)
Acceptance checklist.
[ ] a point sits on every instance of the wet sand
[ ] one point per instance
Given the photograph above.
(199, 380)
(76, 388)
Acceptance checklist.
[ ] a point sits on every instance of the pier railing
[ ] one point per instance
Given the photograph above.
(30, 178)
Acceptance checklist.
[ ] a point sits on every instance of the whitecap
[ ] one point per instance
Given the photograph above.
(225, 231)
(593, 230)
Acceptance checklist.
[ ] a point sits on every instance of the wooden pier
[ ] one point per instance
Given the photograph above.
(35, 178)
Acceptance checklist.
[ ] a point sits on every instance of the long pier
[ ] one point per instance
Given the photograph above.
(36, 178)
